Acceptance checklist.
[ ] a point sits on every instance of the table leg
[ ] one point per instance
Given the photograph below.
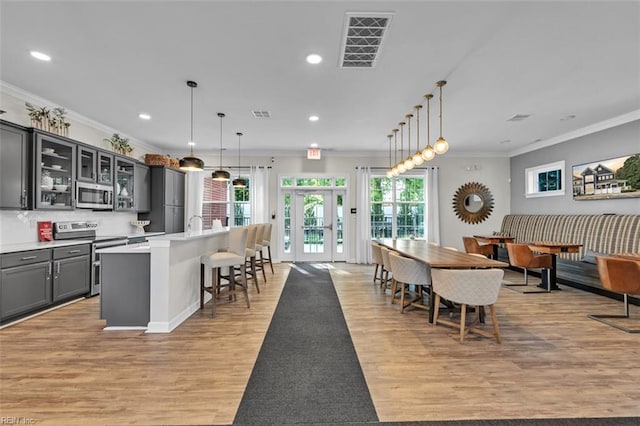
(550, 275)
(495, 251)
(432, 305)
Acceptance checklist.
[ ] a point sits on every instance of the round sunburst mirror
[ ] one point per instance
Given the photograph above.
(473, 202)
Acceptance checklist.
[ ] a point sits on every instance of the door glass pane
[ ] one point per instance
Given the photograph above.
(341, 182)
(339, 224)
(313, 223)
(287, 224)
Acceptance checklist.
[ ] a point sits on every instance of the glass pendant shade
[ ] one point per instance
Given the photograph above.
(441, 146)
(408, 163)
(190, 162)
(221, 175)
(428, 153)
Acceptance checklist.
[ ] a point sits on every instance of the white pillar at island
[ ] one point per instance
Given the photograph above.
(175, 275)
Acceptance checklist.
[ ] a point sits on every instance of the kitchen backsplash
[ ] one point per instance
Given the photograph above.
(21, 226)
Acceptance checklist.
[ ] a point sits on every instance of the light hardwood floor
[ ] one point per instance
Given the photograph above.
(61, 368)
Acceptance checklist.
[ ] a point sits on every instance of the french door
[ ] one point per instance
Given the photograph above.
(314, 225)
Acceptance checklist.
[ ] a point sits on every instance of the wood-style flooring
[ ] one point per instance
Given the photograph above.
(62, 368)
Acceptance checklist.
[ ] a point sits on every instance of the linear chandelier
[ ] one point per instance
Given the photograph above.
(429, 152)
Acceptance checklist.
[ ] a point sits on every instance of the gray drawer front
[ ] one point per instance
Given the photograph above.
(71, 251)
(24, 258)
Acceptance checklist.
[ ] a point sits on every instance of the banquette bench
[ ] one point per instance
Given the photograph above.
(598, 234)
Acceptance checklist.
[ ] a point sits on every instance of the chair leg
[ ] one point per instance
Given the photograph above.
(375, 273)
(201, 286)
(270, 263)
(494, 320)
(463, 318)
(254, 273)
(603, 318)
(394, 289)
(436, 310)
(264, 275)
(243, 280)
(402, 297)
(215, 276)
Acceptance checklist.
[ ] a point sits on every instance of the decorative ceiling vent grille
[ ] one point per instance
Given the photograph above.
(261, 114)
(362, 40)
(519, 117)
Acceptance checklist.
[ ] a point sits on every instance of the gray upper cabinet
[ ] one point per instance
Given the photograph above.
(14, 167)
(87, 163)
(142, 188)
(54, 177)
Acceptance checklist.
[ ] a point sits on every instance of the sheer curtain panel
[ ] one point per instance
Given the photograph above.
(259, 179)
(432, 215)
(363, 218)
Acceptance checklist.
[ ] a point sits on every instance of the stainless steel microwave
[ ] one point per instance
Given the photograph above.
(94, 196)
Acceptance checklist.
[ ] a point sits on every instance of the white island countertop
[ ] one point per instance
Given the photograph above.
(188, 236)
(129, 248)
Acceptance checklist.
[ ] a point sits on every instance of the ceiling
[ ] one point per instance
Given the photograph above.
(113, 60)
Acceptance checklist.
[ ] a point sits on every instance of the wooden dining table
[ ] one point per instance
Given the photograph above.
(438, 257)
(552, 248)
(495, 241)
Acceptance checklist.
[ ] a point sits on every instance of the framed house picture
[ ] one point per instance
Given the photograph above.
(605, 179)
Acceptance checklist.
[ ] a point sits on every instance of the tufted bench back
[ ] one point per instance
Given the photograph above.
(596, 233)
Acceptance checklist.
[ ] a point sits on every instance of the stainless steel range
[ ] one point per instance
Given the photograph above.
(86, 230)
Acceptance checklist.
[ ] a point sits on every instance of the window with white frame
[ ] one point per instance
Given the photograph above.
(397, 207)
(232, 206)
(545, 180)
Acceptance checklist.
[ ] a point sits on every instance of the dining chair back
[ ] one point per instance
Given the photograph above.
(468, 287)
(407, 272)
(471, 245)
(620, 276)
(376, 254)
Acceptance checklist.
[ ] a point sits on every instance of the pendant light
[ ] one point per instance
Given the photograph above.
(408, 162)
(390, 169)
(239, 182)
(417, 156)
(428, 153)
(190, 162)
(401, 167)
(221, 175)
(394, 169)
(441, 146)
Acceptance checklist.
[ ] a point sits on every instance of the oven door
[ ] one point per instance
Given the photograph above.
(94, 196)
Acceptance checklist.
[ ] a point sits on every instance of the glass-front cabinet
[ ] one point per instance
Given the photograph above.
(105, 167)
(124, 184)
(94, 165)
(54, 172)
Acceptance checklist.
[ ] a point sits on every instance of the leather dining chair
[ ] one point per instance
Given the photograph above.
(620, 276)
(233, 257)
(471, 245)
(406, 272)
(521, 256)
(468, 287)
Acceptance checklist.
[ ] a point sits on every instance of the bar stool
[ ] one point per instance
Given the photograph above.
(407, 271)
(266, 242)
(233, 257)
(259, 248)
(250, 254)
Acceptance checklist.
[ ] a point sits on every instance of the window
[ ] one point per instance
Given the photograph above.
(220, 199)
(545, 180)
(397, 207)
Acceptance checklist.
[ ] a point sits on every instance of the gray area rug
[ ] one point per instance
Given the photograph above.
(307, 370)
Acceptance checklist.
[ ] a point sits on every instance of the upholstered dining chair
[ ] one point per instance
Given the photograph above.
(520, 255)
(406, 272)
(376, 255)
(387, 274)
(468, 287)
(620, 276)
(233, 257)
(471, 245)
(266, 243)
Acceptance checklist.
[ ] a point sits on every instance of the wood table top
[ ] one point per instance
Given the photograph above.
(438, 257)
(494, 239)
(554, 247)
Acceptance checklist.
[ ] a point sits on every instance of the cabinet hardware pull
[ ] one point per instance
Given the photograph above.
(28, 257)
(58, 268)
(73, 251)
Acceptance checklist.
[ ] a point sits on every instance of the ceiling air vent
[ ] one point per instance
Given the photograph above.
(261, 114)
(362, 40)
(519, 117)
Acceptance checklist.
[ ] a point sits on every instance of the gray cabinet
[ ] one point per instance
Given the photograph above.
(87, 164)
(25, 282)
(14, 167)
(142, 188)
(55, 172)
(71, 272)
(167, 201)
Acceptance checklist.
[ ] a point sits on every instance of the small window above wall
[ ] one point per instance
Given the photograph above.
(545, 180)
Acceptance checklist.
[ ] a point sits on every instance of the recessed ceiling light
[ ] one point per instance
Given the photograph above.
(144, 116)
(314, 59)
(314, 118)
(191, 143)
(40, 55)
(314, 145)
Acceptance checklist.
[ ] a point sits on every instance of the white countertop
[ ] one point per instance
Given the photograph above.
(37, 245)
(194, 235)
(129, 248)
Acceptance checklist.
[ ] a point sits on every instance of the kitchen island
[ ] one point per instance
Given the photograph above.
(174, 276)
